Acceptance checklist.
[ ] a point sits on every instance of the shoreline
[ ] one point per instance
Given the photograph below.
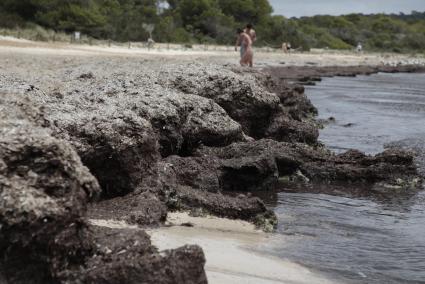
(232, 252)
(230, 247)
(310, 75)
(151, 135)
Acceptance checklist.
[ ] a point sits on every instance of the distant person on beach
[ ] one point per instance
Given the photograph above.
(285, 47)
(150, 42)
(359, 47)
(245, 43)
(249, 30)
(288, 46)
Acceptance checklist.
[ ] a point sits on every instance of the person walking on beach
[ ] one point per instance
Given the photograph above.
(245, 43)
(249, 29)
(285, 47)
(359, 47)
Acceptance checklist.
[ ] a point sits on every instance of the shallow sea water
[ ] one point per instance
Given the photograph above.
(360, 240)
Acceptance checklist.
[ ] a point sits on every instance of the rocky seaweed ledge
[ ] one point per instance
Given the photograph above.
(80, 143)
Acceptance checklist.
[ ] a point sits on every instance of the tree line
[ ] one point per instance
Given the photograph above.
(215, 21)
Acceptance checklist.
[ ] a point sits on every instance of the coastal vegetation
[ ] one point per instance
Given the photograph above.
(212, 22)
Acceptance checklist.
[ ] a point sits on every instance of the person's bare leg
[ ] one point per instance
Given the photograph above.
(244, 60)
(251, 59)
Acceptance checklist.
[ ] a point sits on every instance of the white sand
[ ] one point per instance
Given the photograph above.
(10, 44)
(13, 39)
(112, 224)
(221, 55)
(230, 250)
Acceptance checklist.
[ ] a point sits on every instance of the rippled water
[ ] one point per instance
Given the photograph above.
(365, 240)
(370, 111)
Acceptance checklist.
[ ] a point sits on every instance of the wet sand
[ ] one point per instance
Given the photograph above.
(232, 249)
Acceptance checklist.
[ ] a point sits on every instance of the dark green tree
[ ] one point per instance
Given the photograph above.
(214, 21)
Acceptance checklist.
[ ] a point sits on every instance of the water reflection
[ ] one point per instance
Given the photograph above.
(376, 238)
(403, 201)
(380, 109)
(356, 239)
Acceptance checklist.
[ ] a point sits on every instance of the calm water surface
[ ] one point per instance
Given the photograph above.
(369, 240)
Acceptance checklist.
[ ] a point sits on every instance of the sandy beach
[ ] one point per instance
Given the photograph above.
(262, 58)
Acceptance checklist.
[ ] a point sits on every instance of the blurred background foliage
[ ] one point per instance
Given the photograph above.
(214, 22)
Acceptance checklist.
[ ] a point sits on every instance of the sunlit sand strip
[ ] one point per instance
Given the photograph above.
(112, 224)
(230, 249)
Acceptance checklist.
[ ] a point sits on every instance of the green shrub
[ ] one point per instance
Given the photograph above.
(207, 21)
